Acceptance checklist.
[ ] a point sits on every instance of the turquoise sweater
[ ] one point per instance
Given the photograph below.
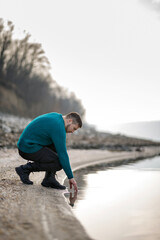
(45, 130)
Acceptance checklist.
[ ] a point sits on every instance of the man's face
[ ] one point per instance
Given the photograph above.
(71, 127)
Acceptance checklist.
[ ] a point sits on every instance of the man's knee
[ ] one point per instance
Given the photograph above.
(59, 167)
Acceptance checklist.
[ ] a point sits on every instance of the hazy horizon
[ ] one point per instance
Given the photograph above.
(145, 129)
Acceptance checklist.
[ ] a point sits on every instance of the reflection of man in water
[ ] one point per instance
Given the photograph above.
(43, 142)
(72, 198)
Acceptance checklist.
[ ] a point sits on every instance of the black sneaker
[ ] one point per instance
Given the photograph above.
(24, 174)
(52, 183)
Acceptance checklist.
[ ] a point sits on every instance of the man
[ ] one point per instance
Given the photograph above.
(43, 142)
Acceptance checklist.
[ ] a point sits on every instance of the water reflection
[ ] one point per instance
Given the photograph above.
(72, 197)
(120, 203)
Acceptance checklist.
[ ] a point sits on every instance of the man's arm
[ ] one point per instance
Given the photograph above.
(59, 140)
(64, 160)
(60, 145)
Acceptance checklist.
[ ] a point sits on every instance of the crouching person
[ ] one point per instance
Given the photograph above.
(43, 142)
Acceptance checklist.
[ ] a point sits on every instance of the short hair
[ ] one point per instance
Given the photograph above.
(75, 117)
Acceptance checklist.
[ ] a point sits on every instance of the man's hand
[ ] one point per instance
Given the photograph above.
(73, 182)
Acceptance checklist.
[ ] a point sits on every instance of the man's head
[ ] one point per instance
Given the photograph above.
(72, 122)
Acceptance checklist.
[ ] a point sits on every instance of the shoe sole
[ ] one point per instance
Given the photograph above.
(19, 174)
(49, 186)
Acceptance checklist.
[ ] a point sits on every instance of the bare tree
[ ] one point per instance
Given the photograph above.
(5, 42)
(25, 69)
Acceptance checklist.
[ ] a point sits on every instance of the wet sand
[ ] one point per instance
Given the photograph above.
(35, 212)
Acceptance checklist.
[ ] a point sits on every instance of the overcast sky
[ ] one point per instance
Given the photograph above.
(107, 52)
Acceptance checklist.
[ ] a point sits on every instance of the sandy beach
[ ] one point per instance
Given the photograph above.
(35, 212)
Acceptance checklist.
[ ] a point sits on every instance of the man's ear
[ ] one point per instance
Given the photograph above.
(70, 120)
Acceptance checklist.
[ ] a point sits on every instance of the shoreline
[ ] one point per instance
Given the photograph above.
(36, 212)
(98, 157)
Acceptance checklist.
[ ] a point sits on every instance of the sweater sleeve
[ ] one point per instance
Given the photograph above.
(60, 145)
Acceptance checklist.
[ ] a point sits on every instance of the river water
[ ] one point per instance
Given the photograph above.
(119, 203)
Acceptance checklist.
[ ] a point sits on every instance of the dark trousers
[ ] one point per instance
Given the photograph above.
(46, 158)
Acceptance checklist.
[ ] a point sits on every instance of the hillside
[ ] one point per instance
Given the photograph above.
(27, 88)
(148, 130)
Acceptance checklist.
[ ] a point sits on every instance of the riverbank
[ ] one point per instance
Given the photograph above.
(29, 212)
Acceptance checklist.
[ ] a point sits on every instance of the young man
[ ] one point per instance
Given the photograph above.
(43, 142)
